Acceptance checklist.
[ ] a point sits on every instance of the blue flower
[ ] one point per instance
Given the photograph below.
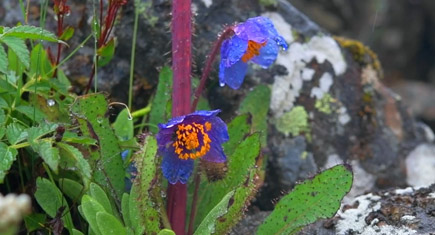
(255, 40)
(185, 138)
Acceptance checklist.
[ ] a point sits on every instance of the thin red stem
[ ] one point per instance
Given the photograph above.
(59, 45)
(197, 180)
(228, 32)
(181, 93)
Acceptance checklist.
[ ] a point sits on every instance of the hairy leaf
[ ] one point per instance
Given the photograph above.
(309, 201)
(3, 60)
(207, 225)
(48, 153)
(161, 99)
(109, 225)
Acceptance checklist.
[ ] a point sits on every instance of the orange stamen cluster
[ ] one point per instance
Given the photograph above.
(253, 50)
(188, 145)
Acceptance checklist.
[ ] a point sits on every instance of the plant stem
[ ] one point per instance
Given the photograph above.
(133, 55)
(181, 65)
(197, 180)
(228, 32)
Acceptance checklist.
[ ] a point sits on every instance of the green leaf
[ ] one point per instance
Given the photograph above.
(7, 157)
(3, 60)
(90, 208)
(207, 226)
(125, 209)
(166, 232)
(98, 194)
(68, 32)
(106, 53)
(71, 188)
(238, 129)
(241, 177)
(161, 99)
(29, 32)
(3, 104)
(309, 201)
(18, 46)
(90, 111)
(257, 103)
(123, 125)
(35, 133)
(48, 153)
(15, 133)
(72, 137)
(51, 199)
(109, 225)
(31, 112)
(34, 221)
(76, 232)
(144, 209)
(14, 63)
(80, 162)
(39, 62)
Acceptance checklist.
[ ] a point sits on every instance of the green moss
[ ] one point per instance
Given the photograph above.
(294, 122)
(324, 104)
(268, 3)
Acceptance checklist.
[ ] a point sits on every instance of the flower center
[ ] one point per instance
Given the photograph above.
(192, 140)
(253, 50)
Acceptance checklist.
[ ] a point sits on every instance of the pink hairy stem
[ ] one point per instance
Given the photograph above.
(181, 93)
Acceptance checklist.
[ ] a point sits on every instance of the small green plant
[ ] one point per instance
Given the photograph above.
(89, 175)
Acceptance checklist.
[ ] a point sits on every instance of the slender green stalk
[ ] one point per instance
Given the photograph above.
(72, 53)
(141, 112)
(133, 55)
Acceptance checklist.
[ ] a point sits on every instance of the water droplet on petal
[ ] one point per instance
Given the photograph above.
(51, 102)
(221, 84)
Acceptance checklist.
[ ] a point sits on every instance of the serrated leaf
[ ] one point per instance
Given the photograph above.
(15, 133)
(257, 103)
(90, 208)
(207, 225)
(3, 60)
(48, 153)
(18, 46)
(109, 225)
(29, 32)
(7, 157)
(35, 133)
(309, 201)
(98, 194)
(161, 99)
(144, 211)
(51, 199)
(80, 162)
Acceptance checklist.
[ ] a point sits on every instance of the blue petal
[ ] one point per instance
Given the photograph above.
(216, 154)
(268, 54)
(219, 131)
(252, 30)
(265, 24)
(234, 75)
(232, 50)
(175, 169)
